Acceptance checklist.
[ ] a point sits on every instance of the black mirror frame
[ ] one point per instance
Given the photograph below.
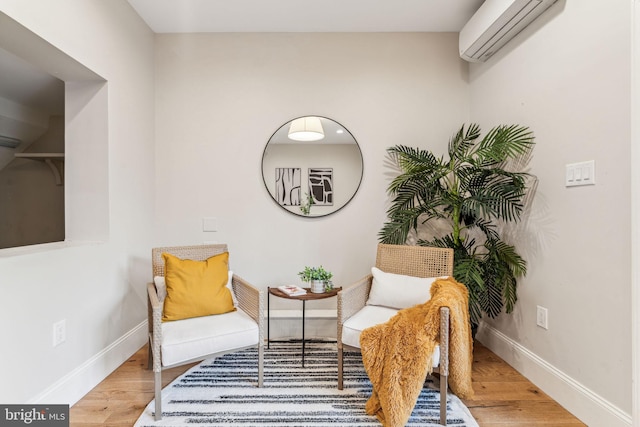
(272, 197)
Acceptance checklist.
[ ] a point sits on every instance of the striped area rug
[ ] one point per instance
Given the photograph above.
(224, 392)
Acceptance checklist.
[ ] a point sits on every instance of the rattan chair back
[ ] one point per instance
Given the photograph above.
(195, 253)
(417, 261)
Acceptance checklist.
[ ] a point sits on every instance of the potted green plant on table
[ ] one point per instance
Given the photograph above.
(471, 196)
(319, 279)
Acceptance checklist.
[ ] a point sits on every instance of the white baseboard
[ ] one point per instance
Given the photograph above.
(584, 403)
(73, 386)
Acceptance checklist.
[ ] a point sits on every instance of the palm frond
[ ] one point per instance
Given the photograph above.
(463, 141)
(470, 271)
(495, 193)
(508, 256)
(502, 143)
(396, 230)
(509, 293)
(488, 228)
(412, 159)
(490, 300)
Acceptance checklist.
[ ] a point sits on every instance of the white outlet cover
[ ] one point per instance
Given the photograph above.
(59, 332)
(542, 317)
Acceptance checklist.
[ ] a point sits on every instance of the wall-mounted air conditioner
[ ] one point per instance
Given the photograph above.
(495, 23)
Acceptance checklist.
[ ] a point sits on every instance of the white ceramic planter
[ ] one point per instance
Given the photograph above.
(317, 286)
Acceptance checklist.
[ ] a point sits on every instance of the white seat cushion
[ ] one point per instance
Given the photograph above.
(371, 315)
(187, 339)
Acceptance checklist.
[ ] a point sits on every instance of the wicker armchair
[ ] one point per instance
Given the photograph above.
(417, 261)
(213, 335)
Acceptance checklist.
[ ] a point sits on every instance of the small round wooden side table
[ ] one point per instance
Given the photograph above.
(309, 296)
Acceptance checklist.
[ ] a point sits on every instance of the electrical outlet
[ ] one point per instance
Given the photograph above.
(542, 317)
(59, 332)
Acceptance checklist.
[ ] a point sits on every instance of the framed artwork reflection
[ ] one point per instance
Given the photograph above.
(321, 186)
(288, 186)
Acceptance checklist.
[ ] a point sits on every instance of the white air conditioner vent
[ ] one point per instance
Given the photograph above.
(495, 23)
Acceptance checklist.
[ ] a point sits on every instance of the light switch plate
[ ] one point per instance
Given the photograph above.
(583, 173)
(209, 224)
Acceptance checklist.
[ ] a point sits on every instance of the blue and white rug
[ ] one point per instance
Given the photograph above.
(224, 392)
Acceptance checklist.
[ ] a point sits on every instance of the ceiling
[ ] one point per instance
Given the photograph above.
(193, 16)
(25, 84)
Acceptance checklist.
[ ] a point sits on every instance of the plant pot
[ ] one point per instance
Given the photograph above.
(317, 286)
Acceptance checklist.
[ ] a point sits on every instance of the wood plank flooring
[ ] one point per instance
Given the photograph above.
(503, 396)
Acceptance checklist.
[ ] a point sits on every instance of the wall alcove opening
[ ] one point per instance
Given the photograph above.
(53, 111)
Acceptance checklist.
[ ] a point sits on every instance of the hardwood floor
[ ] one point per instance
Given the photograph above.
(503, 396)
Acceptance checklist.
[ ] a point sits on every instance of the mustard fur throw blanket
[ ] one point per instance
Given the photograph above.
(397, 355)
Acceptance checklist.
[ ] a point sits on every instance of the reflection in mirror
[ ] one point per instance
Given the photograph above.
(312, 166)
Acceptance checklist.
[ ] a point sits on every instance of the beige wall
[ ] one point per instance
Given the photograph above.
(568, 78)
(220, 97)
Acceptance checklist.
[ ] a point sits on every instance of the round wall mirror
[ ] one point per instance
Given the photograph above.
(312, 166)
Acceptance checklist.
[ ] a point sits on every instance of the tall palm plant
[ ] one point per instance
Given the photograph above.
(474, 192)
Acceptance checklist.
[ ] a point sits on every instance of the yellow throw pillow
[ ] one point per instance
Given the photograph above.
(196, 288)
